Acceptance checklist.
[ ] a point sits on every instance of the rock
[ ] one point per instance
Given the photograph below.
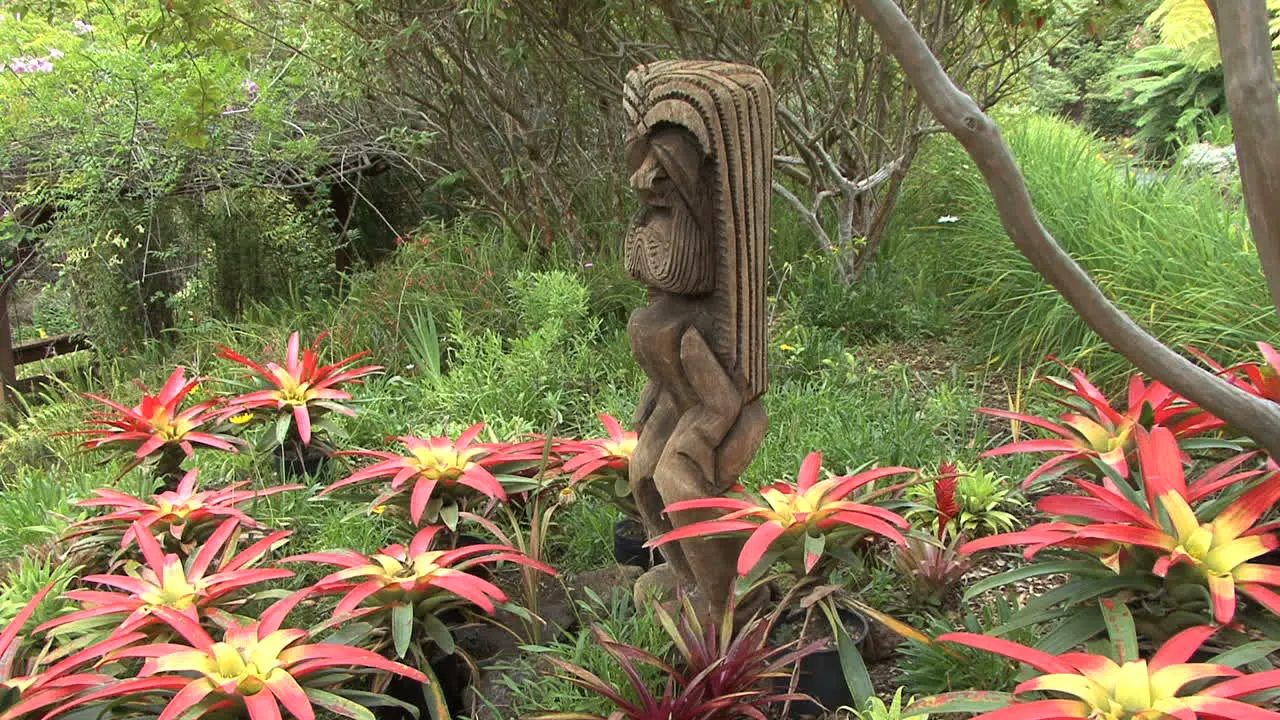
(603, 582)
(657, 585)
(1210, 159)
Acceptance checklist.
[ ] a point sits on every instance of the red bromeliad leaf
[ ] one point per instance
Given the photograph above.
(257, 666)
(417, 576)
(164, 581)
(158, 421)
(810, 508)
(438, 467)
(301, 388)
(182, 513)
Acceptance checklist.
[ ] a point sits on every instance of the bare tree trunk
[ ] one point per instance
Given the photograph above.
(980, 136)
(1244, 39)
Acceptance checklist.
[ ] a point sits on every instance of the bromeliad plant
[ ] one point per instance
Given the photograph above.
(796, 522)
(1120, 684)
(296, 396)
(1097, 438)
(198, 588)
(983, 500)
(1171, 544)
(803, 525)
(181, 517)
(159, 427)
(716, 673)
(41, 689)
(254, 670)
(405, 590)
(443, 476)
(933, 566)
(602, 461)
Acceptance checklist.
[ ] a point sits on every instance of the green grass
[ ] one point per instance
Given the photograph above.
(1173, 254)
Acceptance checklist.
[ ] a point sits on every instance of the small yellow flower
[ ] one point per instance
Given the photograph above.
(42, 333)
(378, 509)
(787, 348)
(242, 418)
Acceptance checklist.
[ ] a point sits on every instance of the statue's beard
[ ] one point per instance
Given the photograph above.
(668, 250)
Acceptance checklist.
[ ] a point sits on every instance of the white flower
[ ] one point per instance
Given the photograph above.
(55, 53)
(81, 27)
(948, 219)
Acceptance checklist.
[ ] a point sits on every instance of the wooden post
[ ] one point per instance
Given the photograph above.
(8, 366)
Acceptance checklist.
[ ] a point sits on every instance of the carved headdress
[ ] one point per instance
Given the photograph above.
(728, 108)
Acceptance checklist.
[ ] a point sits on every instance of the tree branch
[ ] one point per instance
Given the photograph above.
(980, 136)
(1249, 68)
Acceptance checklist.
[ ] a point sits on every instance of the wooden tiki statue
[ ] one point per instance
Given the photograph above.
(700, 153)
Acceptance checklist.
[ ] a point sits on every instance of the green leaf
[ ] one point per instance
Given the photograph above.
(372, 700)
(338, 704)
(439, 633)
(283, 422)
(1245, 654)
(434, 695)
(401, 627)
(1082, 625)
(855, 670)
(966, 701)
(449, 516)
(813, 545)
(1068, 567)
(1124, 637)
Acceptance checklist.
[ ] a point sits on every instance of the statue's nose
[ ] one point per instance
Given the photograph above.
(647, 174)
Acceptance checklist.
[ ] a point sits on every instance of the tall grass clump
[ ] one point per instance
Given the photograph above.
(1169, 248)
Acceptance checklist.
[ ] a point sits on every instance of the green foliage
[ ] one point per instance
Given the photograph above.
(531, 690)
(25, 577)
(930, 669)
(877, 709)
(985, 497)
(1169, 96)
(886, 304)
(1171, 253)
(1187, 27)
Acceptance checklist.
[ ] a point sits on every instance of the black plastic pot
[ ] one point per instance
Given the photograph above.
(629, 538)
(821, 676)
(452, 673)
(300, 462)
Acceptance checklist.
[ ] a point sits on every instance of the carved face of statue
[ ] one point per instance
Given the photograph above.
(672, 245)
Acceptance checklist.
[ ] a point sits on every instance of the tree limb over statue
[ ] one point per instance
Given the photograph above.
(980, 136)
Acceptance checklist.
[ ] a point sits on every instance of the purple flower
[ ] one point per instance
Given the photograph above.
(81, 27)
(43, 65)
(55, 54)
(588, 265)
(250, 88)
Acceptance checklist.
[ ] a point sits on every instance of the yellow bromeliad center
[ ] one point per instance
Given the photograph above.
(176, 512)
(1122, 692)
(249, 665)
(791, 508)
(1102, 440)
(623, 448)
(443, 463)
(418, 569)
(291, 391)
(1216, 548)
(164, 426)
(173, 589)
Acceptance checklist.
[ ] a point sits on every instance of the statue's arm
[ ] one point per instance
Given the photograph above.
(716, 391)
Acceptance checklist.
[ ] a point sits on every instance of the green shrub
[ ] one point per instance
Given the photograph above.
(1170, 252)
(1169, 96)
